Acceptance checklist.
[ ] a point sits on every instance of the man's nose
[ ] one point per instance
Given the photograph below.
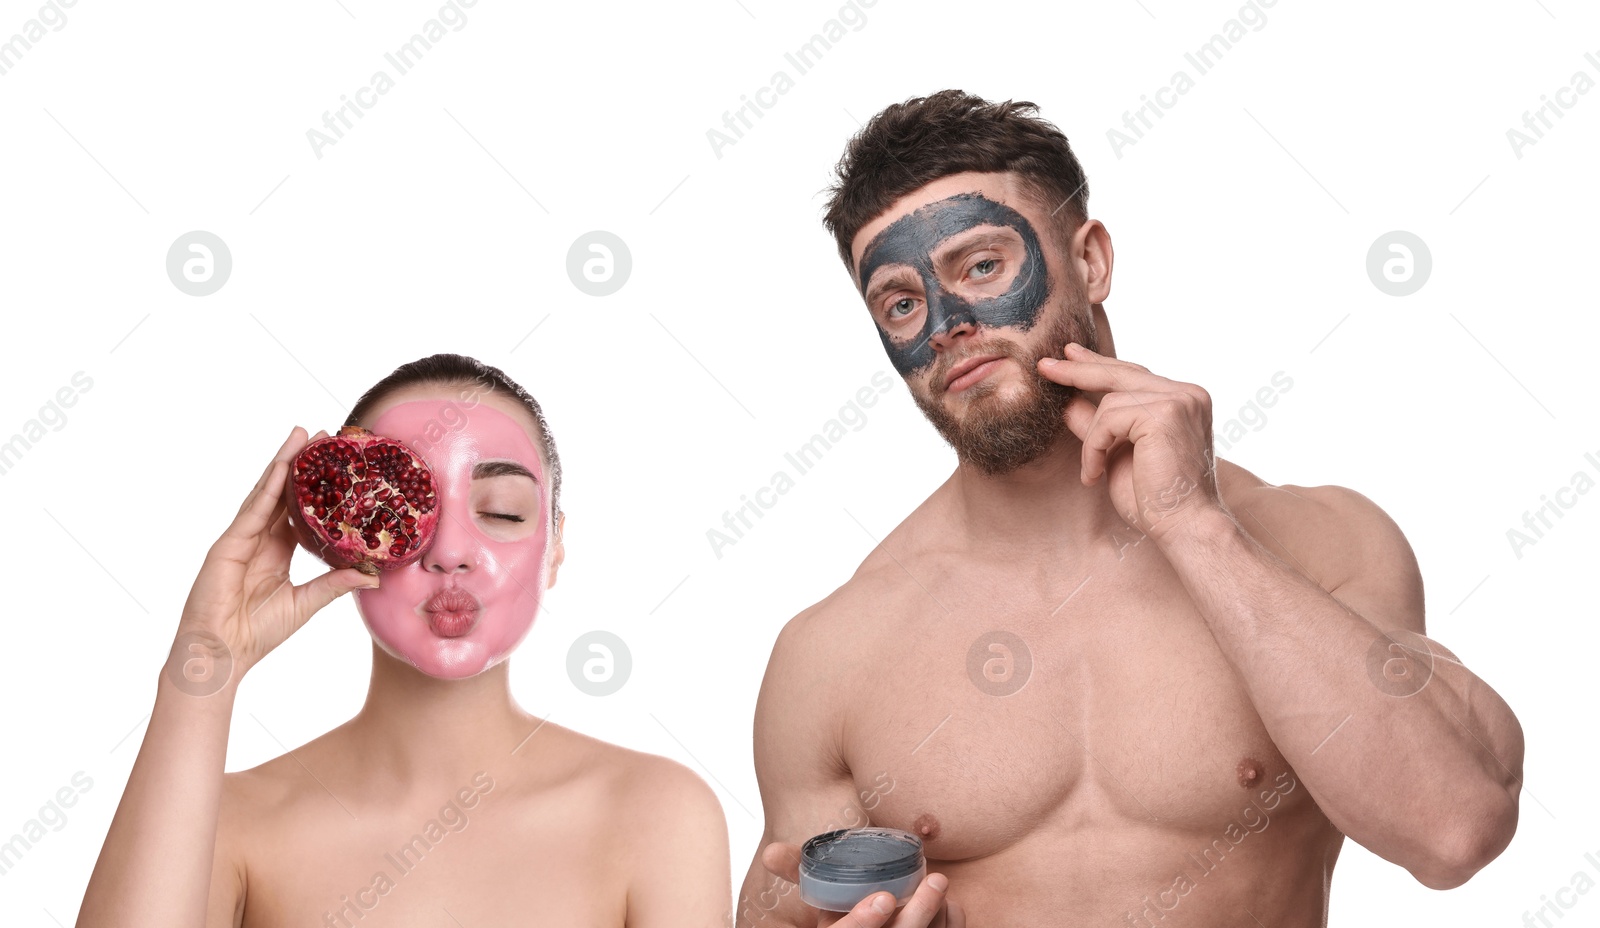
(951, 317)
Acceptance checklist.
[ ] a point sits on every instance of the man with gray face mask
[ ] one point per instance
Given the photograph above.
(1103, 675)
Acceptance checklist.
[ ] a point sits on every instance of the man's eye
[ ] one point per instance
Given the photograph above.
(902, 307)
(986, 266)
(502, 515)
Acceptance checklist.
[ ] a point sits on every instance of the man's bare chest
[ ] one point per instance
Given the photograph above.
(1095, 700)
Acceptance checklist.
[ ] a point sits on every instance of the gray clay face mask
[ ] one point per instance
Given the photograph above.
(911, 241)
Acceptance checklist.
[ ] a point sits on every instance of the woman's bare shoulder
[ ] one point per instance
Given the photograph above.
(628, 776)
(555, 776)
(281, 780)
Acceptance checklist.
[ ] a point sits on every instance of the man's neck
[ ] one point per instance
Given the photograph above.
(1040, 507)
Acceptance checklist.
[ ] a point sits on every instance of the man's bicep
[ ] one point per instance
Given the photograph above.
(1346, 544)
(806, 785)
(801, 767)
(1372, 567)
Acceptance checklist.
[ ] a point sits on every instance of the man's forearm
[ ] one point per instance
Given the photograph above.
(1427, 779)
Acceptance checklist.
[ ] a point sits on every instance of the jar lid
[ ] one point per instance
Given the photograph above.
(861, 855)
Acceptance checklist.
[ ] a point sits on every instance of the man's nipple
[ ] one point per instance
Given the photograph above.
(1250, 772)
(926, 827)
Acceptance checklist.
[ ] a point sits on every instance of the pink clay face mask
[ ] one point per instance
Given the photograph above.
(472, 596)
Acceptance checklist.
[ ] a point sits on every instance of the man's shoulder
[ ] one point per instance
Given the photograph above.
(885, 591)
(1331, 533)
(868, 597)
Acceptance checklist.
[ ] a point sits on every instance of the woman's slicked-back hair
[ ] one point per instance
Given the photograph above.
(911, 144)
(451, 370)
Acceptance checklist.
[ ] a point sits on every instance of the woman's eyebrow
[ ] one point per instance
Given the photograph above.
(501, 469)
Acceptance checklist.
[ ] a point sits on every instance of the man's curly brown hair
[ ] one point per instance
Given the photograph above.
(911, 144)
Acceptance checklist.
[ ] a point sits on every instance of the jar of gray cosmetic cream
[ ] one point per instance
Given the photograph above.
(840, 868)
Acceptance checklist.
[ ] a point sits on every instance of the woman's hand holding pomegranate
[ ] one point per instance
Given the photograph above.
(242, 604)
(155, 868)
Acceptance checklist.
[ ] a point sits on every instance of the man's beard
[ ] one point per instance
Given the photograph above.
(995, 436)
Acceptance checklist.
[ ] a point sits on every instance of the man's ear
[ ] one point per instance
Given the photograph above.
(558, 552)
(1091, 253)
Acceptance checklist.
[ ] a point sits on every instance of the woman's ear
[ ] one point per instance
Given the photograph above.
(558, 551)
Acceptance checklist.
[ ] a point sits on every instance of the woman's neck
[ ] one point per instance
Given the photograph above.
(423, 734)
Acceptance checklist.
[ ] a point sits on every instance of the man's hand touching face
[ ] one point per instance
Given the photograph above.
(1148, 436)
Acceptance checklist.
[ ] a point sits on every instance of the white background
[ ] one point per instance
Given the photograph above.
(442, 221)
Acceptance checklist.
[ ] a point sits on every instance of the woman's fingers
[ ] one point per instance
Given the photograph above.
(310, 597)
(270, 485)
(242, 539)
(279, 529)
(287, 450)
(243, 592)
(255, 517)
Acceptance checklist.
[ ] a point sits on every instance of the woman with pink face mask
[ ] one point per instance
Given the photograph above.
(441, 802)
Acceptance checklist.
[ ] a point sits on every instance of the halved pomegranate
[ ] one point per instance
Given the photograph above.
(358, 500)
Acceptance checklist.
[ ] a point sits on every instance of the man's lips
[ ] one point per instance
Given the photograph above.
(969, 372)
(452, 612)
